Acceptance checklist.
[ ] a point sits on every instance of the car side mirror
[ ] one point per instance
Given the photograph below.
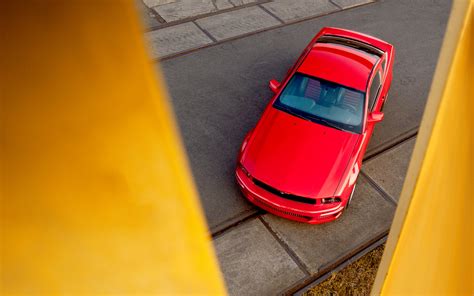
(375, 117)
(274, 85)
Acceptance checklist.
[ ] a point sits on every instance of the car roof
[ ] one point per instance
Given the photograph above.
(341, 64)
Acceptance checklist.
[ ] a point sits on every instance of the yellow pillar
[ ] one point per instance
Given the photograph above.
(96, 195)
(430, 250)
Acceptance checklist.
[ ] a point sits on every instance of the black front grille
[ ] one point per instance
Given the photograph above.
(283, 194)
(268, 207)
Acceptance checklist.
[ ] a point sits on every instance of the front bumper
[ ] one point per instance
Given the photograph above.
(312, 214)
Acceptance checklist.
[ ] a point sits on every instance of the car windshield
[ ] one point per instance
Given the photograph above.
(323, 102)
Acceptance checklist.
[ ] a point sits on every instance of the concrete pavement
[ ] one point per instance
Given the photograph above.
(213, 21)
(175, 10)
(250, 256)
(395, 165)
(219, 92)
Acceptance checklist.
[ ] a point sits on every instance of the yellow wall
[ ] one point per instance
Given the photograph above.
(95, 194)
(430, 250)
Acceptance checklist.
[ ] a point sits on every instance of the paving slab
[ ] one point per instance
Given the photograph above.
(219, 92)
(293, 10)
(238, 22)
(389, 169)
(317, 246)
(183, 9)
(350, 3)
(174, 39)
(253, 262)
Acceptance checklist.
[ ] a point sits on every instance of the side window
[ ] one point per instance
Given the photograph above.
(374, 89)
(384, 62)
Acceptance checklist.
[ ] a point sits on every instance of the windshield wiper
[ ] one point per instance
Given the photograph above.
(328, 123)
(290, 111)
(309, 118)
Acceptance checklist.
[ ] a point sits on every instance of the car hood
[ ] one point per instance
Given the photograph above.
(297, 156)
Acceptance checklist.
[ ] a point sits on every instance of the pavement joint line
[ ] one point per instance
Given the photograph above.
(205, 31)
(154, 14)
(236, 221)
(287, 248)
(270, 13)
(329, 268)
(393, 145)
(379, 189)
(293, 22)
(149, 12)
(159, 18)
(355, 251)
(322, 277)
(215, 5)
(256, 2)
(337, 5)
(395, 141)
(201, 16)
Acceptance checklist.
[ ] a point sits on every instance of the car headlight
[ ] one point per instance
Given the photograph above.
(329, 200)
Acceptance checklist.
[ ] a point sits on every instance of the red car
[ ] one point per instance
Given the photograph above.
(302, 159)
